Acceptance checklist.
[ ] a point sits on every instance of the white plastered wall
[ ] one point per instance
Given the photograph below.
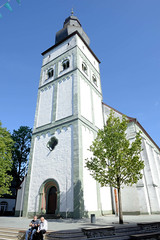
(45, 106)
(59, 50)
(61, 71)
(105, 193)
(151, 177)
(44, 73)
(88, 54)
(85, 100)
(56, 165)
(65, 98)
(89, 184)
(20, 196)
(97, 108)
(130, 200)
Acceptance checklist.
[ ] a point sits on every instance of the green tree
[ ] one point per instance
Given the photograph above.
(116, 161)
(22, 142)
(6, 144)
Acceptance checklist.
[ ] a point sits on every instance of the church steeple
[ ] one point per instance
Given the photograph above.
(71, 24)
(69, 111)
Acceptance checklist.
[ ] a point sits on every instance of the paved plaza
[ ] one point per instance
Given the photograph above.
(66, 224)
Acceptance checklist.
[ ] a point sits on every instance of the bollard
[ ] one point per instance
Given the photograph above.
(93, 218)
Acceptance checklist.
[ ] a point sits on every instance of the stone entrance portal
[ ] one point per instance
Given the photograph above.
(49, 197)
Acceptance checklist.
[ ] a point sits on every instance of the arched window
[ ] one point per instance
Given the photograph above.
(94, 79)
(50, 73)
(84, 67)
(65, 64)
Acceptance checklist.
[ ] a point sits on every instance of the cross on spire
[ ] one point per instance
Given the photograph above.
(72, 12)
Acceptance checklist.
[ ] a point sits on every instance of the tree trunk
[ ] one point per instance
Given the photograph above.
(120, 206)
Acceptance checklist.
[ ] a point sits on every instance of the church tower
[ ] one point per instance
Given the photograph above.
(68, 115)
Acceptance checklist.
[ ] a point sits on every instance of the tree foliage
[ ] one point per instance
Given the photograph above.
(22, 141)
(6, 144)
(116, 161)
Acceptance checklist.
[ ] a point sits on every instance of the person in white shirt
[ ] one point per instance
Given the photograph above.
(43, 227)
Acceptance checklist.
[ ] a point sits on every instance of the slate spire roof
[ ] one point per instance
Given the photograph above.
(71, 24)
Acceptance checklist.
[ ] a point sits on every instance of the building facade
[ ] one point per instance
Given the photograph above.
(68, 115)
(143, 197)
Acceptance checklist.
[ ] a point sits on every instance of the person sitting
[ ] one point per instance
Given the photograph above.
(33, 228)
(43, 227)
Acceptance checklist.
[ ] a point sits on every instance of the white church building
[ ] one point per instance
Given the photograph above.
(68, 115)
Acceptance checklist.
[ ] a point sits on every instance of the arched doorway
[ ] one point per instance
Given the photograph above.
(49, 201)
(52, 200)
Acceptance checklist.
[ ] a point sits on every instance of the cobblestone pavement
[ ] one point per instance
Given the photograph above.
(65, 224)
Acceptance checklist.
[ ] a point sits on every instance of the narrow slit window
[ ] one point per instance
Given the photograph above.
(94, 79)
(84, 67)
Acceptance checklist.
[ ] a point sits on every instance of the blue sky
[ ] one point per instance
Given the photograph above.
(124, 34)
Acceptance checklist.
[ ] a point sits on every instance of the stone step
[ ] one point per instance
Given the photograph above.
(9, 230)
(153, 235)
(4, 232)
(67, 238)
(113, 233)
(69, 234)
(55, 234)
(51, 216)
(111, 238)
(128, 236)
(9, 233)
(8, 236)
(126, 229)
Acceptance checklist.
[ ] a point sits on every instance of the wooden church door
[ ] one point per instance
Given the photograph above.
(52, 200)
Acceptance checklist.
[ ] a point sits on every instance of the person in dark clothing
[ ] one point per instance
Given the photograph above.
(34, 224)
